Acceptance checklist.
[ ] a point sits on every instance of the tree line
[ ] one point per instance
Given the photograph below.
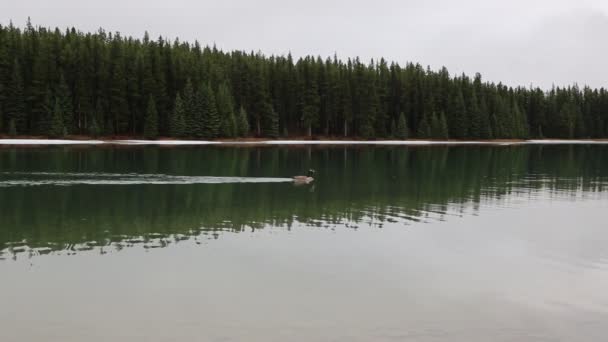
(56, 83)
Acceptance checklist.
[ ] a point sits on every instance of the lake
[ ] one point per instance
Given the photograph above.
(390, 243)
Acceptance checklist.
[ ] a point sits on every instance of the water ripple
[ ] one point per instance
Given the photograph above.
(66, 179)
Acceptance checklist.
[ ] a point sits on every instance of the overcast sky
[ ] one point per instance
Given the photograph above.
(518, 42)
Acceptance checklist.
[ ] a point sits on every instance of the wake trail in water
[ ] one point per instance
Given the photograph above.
(71, 178)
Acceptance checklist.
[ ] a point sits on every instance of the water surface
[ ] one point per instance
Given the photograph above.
(441, 243)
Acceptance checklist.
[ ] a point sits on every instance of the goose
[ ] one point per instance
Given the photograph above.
(305, 179)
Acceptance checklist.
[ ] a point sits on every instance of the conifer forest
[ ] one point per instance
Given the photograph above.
(57, 82)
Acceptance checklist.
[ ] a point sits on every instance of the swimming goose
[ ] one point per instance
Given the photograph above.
(305, 179)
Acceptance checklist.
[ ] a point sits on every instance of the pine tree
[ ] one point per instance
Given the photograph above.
(65, 102)
(271, 123)
(457, 119)
(485, 125)
(243, 123)
(151, 122)
(191, 112)
(1, 119)
(225, 108)
(424, 128)
(15, 101)
(402, 127)
(475, 128)
(393, 128)
(346, 106)
(177, 124)
(57, 128)
(94, 129)
(443, 127)
(12, 128)
(211, 123)
(310, 110)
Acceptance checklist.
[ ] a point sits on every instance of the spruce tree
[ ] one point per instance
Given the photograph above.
(177, 124)
(271, 122)
(65, 102)
(151, 122)
(457, 119)
(225, 108)
(57, 127)
(424, 128)
(485, 125)
(310, 110)
(443, 126)
(243, 123)
(12, 128)
(402, 127)
(94, 128)
(15, 101)
(211, 123)
(192, 116)
(476, 122)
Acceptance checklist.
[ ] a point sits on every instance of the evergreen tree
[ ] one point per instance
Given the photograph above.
(94, 129)
(12, 128)
(476, 126)
(564, 125)
(64, 99)
(211, 123)
(243, 123)
(151, 123)
(177, 123)
(57, 128)
(457, 115)
(191, 113)
(424, 128)
(443, 127)
(402, 127)
(15, 101)
(225, 108)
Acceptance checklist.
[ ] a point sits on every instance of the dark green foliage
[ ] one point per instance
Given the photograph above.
(402, 132)
(424, 128)
(12, 128)
(191, 115)
(458, 121)
(15, 101)
(225, 108)
(177, 123)
(103, 83)
(57, 125)
(243, 123)
(151, 122)
(94, 129)
(210, 120)
(271, 123)
(65, 102)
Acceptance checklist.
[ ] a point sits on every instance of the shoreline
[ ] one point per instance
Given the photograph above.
(258, 142)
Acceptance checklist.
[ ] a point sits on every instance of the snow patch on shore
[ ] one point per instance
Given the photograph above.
(49, 142)
(286, 142)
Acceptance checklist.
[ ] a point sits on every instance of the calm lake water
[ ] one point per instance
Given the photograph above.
(459, 243)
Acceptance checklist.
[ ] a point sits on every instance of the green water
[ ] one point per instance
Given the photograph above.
(459, 243)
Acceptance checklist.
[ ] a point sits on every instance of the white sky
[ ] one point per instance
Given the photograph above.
(519, 42)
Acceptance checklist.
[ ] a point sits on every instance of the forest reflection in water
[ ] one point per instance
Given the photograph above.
(75, 199)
